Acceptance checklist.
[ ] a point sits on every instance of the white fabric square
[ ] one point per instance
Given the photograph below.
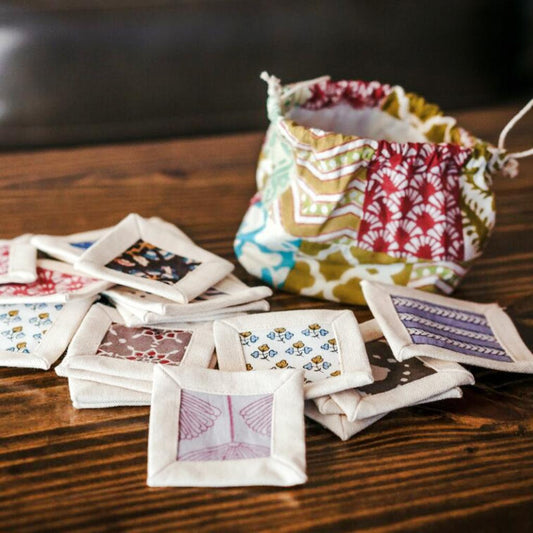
(339, 424)
(134, 317)
(35, 335)
(86, 394)
(142, 254)
(416, 323)
(106, 351)
(56, 282)
(227, 296)
(70, 247)
(396, 384)
(217, 429)
(325, 344)
(18, 259)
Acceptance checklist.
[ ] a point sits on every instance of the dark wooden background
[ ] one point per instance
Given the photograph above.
(451, 466)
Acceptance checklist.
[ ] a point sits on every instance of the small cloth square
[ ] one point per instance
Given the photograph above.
(35, 335)
(143, 255)
(416, 323)
(134, 317)
(106, 351)
(227, 296)
(325, 344)
(56, 282)
(396, 384)
(69, 248)
(17, 260)
(86, 394)
(339, 424)
(220, 429)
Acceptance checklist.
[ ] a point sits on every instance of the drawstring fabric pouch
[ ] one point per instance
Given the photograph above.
(361, 180)
(17, 260)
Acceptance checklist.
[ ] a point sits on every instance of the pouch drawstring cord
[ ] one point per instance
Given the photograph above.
(510, 163)
(276, 93)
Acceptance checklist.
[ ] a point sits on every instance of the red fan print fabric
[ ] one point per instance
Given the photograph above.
(412, 202)
(218, 427)
(148, 345)
(48, 282)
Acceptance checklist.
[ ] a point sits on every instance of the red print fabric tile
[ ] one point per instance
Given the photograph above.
(411, 207)
(145, 344)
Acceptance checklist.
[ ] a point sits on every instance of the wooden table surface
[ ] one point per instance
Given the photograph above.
(451, 465)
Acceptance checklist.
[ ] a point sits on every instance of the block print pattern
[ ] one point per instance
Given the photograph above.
(48, 282)
(311, 347)
(148, 345)
(388, 372)
(218, 427)
(461, 331)
(145, 260)
(412, 202)
(4, 260)
(23, 326)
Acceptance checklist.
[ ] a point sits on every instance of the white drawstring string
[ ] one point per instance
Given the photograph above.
(275, 90)
(507, 129)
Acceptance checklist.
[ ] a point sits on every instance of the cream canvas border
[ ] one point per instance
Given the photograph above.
(132, 317)
(337, 422)
(22, 261)
(286, 464)
(89, 290)
(353, 361)
(81, 355)
(356, 406)
(150, 306)
(54, 341)
(86, 394)
(132, 228)
(378, 297)
(59, 246)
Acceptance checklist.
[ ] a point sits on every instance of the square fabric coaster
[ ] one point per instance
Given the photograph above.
(134, 317)
(86, 394)
(70, 247)
(396, 384)
(219, 429)
(325, 344)
(18, 260)
(141, 254)
(106, 350)
(34, 335)
(228, 293)
(416, 323)
(56, 282)
(339, 424)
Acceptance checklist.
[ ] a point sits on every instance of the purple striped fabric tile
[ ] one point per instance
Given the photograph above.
(458, 330)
